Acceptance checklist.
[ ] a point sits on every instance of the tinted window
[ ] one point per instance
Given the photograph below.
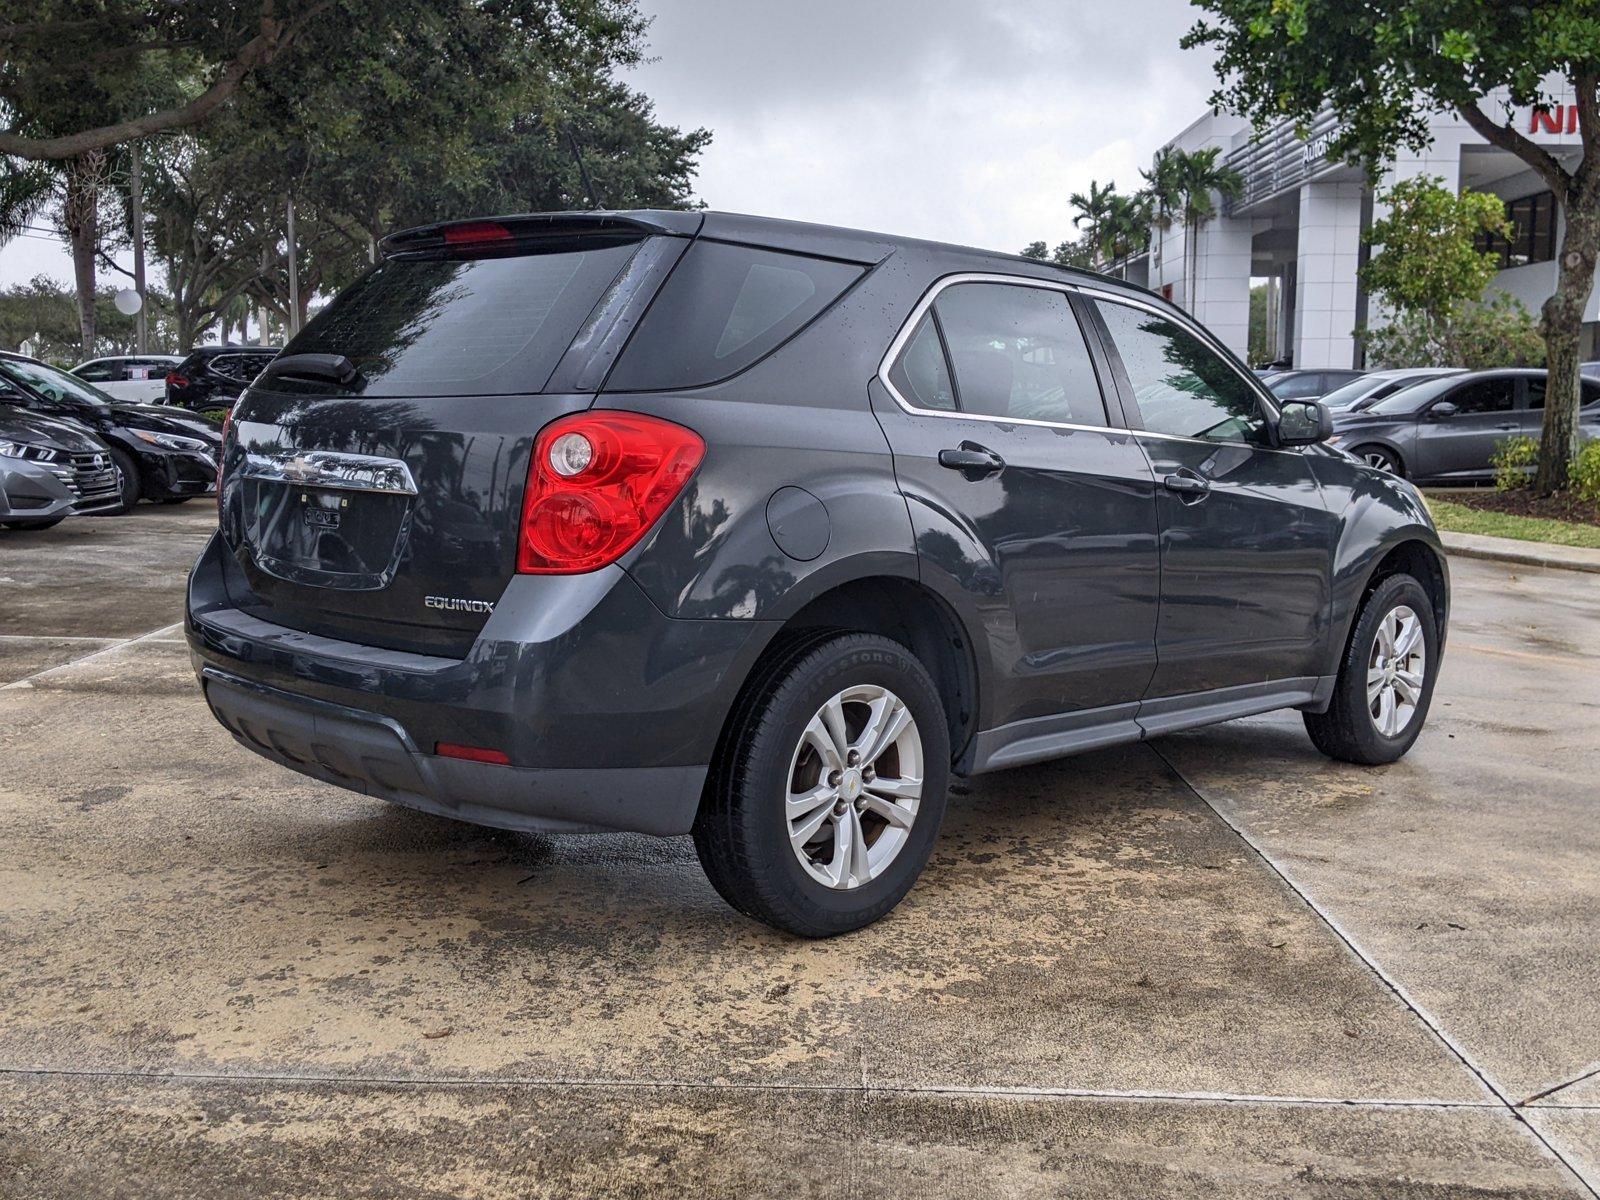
(724, 308)
(1590, 393)
(1293, 387)
(1180, 384)
(1485, 395)
(100, 372)
(1018, 352)
(921, 374)
(449, 326)
(240, 367)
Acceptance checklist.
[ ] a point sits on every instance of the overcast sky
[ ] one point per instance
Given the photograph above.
(964, 120)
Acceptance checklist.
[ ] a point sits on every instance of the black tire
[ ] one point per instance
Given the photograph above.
(1381, 457)
(742, 831)
(47, 523)
(1348, 730)
(128, 475)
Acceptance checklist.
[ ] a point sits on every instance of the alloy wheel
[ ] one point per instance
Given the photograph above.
(855, 785)
(1395, 671)
(1378, 459)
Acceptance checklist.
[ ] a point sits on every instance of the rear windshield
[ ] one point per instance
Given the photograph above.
(724, 309)
(450, 326)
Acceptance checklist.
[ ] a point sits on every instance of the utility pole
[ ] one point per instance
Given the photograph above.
(294, 272)
(136, 196)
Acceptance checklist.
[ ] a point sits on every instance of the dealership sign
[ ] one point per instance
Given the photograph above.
(1559, 118)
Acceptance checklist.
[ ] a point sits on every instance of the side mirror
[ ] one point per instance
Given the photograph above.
(1304, 423)
(1442, 411)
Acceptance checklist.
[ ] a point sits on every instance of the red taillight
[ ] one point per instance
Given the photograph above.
(222, 456)
(480, 754)
(475, 232)
(600, 490)
(176, 380)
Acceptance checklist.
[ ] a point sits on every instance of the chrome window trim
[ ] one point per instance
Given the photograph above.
(921, 310)
(1066, 288)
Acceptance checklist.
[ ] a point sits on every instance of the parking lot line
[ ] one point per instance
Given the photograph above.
(151, 636)
(468, 1082)
(1394, 985)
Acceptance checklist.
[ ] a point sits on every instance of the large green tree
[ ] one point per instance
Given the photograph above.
(367, 117)
(1384, 66)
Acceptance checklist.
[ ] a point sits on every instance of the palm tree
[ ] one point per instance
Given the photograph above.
(1164, 188)
(1128, 224)
(1201, 180)
(1093, 210)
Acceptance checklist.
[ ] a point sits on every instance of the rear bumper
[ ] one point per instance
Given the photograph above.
(373, 754)
(608, 709)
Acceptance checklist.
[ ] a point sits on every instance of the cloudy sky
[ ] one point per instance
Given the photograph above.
(964, 120)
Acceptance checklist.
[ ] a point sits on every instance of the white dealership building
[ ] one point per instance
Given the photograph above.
(1301, 223)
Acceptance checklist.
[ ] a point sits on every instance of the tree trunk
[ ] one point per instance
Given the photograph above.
(1562, 323)
(80, 214)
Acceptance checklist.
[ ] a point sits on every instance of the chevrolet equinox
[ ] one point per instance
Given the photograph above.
(699, 523)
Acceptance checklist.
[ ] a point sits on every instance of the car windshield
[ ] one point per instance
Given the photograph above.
(1348, 394)
(51, 383)
(1411, 397)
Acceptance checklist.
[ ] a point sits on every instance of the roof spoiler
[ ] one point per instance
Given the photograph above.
(529, 227)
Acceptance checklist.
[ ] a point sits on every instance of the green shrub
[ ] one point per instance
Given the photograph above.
(1499, 332)
(1513, 462)
(215, 414)
(1585, 472)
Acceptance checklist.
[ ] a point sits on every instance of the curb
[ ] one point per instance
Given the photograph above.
(1544, 555)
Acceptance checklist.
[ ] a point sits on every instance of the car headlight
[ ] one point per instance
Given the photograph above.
(171, 441)
(23, 450)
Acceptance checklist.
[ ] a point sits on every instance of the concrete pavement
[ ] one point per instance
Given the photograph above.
(1215, 965)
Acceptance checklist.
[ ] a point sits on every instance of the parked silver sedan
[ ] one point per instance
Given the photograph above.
(1368, 389)
(1447, 430)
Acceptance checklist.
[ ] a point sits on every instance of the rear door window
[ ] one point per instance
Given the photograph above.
(448, 325)
(921, 374)
(724, 309)
(1018, 353)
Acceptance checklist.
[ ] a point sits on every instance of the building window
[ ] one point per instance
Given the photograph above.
(1533, 232)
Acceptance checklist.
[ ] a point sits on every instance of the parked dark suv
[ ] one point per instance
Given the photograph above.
(213, 376)
(689, 522)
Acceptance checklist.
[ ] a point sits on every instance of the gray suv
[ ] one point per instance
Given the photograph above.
(694, 523)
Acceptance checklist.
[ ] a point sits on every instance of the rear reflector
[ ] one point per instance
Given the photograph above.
(173, 379)
(472, 753)
(475, 232)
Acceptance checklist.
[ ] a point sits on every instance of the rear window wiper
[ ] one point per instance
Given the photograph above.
(323, 368)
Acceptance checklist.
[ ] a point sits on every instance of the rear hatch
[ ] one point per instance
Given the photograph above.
(374, 474)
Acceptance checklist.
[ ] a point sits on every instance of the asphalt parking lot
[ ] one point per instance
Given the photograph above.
(1217, 964)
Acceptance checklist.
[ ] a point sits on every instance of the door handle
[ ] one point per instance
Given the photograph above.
(972, 460)
(1507, 428)
(1191, 488)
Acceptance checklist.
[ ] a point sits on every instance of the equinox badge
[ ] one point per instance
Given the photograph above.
(456, 604)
